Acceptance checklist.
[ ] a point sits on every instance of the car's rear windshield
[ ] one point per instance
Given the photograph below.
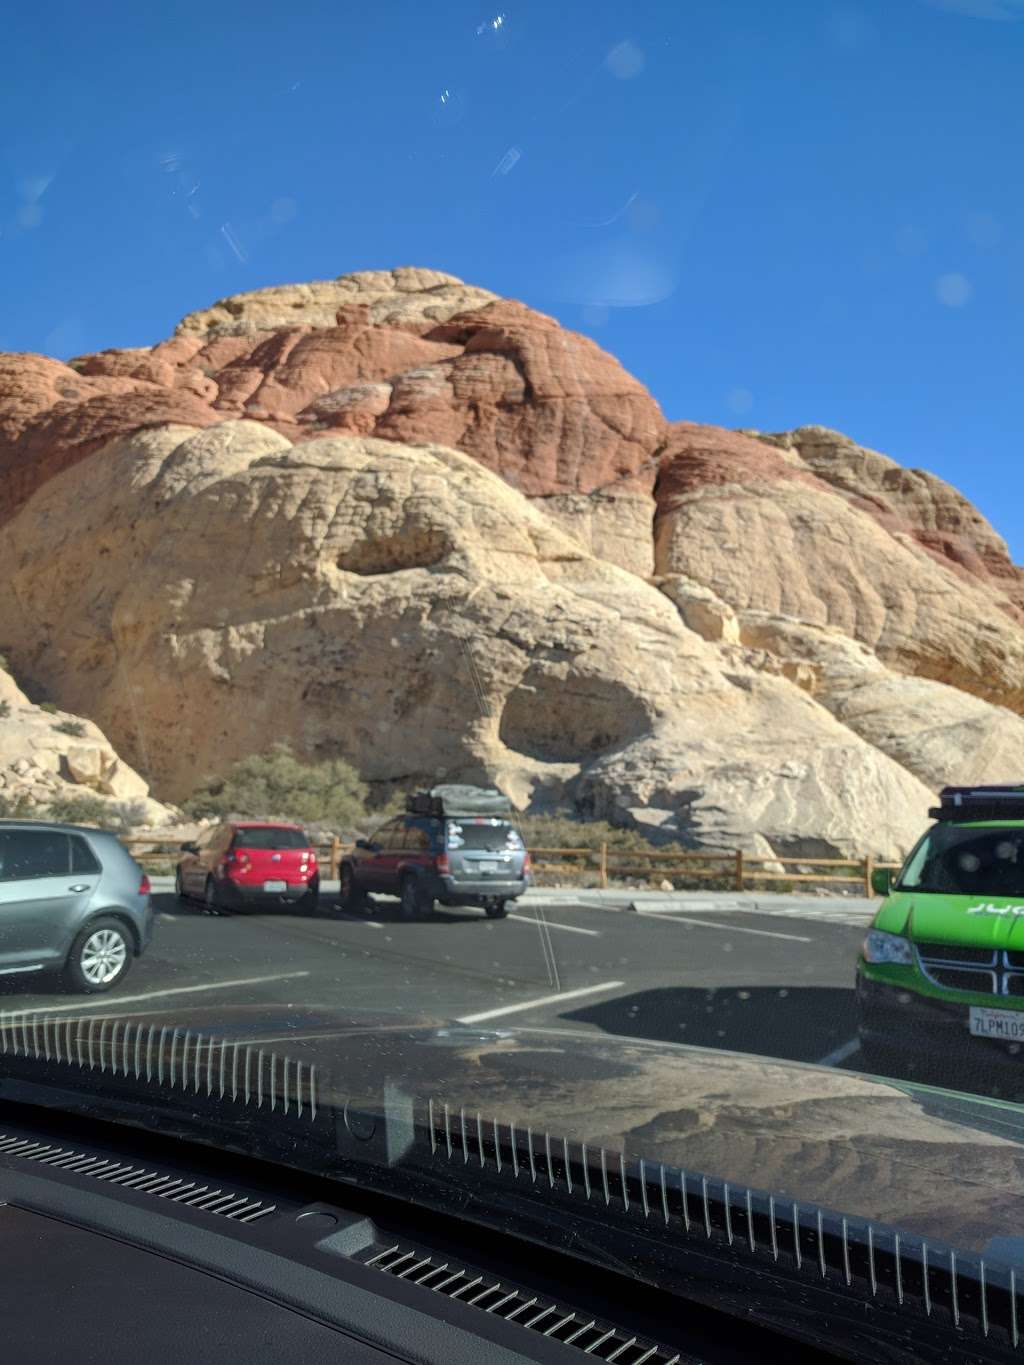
(492, 835)
(270, 838)
(963, 860)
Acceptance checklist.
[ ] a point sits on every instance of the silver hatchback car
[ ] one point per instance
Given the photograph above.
(71, 900)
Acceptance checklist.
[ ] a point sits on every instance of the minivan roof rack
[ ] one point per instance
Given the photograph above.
(980, 803)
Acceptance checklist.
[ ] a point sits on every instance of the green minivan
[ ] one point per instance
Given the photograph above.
(941, 970)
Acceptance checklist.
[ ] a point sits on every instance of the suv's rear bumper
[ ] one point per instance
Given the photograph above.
(910, 1025)
(461, 891)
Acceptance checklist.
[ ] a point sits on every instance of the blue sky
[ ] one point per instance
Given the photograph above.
(772, 213)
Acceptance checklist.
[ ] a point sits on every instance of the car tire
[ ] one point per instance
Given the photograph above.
(496, 909)
(100, 956)
(352, 898)
(213, 903)
(309, 904)
(179, 886)
(416, 901)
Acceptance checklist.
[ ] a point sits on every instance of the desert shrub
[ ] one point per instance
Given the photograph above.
(84, 810)
(71, 727)
(276, 785)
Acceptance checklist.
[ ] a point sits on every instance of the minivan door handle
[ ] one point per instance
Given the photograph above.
(79, 886)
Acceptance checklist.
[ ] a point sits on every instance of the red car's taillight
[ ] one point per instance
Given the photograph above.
(144, 886)
(443, 865)
(527, 869)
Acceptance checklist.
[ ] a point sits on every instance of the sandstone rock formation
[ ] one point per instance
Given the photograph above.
(395, 517)
(48, 756)
(407, 608)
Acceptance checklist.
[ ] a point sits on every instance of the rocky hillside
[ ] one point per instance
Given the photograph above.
(54, 762)
(396, 518)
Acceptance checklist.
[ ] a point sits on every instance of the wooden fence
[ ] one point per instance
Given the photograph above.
(733, 870)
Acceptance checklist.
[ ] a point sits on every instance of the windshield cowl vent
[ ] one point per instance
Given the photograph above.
(589, 1335)
(172, 1058)
(876, 1260)
(142, 1179)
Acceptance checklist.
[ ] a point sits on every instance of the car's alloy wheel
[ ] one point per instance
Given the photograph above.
(103, 957)
(100, 956)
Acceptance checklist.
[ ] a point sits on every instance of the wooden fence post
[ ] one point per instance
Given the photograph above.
(603, 865)
(335, 857)
(869, 867)
(739, 870)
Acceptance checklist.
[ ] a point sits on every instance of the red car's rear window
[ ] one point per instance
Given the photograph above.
(264, 837)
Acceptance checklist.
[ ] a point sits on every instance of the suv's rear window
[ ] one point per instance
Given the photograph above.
(270, 838)
(492, 835)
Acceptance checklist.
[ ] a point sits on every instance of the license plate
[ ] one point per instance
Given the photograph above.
(487, 867)
(1006, 1024)
(275, 886)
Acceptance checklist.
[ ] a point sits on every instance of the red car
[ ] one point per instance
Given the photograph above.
(248, 863)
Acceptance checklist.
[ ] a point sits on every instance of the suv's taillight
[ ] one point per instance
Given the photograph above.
(442, 864)
(527, 867)
(144, 886)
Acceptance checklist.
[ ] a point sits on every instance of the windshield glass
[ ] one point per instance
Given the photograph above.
(967, 862)
(557, 467)
(253, 836)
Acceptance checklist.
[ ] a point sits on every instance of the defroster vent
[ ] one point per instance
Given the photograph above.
(589, 1335)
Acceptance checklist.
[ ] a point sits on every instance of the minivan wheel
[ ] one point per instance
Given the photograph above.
(100, 956)
(496, 909)
(416, 902)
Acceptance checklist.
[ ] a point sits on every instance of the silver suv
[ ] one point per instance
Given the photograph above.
(72, 900)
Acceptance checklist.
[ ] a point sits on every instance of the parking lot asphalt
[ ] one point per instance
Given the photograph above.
(752, 981)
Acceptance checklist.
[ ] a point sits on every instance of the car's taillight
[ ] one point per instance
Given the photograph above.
(527, 868)
(443, 865)
(144, 886)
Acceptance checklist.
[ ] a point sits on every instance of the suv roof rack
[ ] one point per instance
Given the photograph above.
(980, 803)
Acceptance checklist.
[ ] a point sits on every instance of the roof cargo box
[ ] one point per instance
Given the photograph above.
(964, 804)
(452, 799)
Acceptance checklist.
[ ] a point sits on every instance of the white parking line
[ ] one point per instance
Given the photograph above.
(840, 1054)
(107, 1002)
(541, 1000)
(728, 928)
(569, 928)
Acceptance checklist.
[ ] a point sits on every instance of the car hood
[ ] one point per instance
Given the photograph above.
(934, 1162)
(976, 921)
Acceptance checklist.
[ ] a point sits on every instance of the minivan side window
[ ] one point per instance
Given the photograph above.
(29, 853)
(82, 857)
